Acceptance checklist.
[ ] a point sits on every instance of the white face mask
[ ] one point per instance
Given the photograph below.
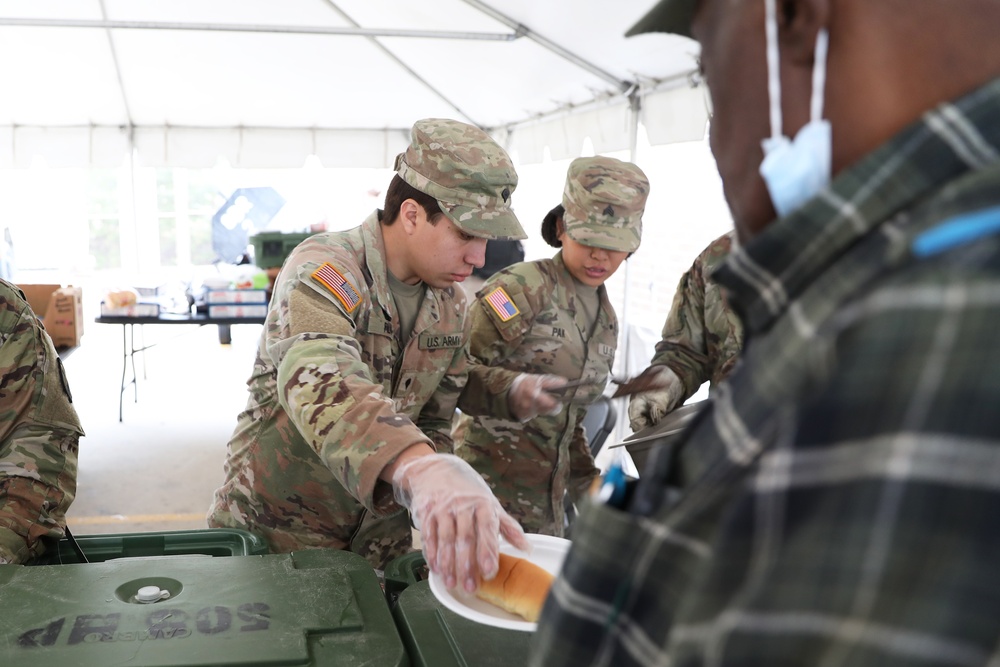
(795, 171)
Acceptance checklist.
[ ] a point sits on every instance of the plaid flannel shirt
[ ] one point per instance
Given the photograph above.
(839, 500)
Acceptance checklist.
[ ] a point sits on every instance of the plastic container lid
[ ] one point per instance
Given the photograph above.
(311, 608)
(438, 637)
(148, 594)
(168, 544)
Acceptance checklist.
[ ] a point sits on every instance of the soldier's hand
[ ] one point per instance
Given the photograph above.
(459, 518)
(648, 408)
(527, 397)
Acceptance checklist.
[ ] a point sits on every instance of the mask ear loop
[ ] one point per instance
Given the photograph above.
(773, 74)
(819, 75)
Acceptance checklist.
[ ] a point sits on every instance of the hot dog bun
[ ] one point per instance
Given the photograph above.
(520, 587)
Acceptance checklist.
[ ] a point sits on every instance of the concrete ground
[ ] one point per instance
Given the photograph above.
(157, 469)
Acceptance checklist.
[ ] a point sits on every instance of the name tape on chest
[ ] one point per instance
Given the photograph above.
(501, 304)
(329, 277)
(440, 341)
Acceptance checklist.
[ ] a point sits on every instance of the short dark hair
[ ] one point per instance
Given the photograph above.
(550, 226)
(398, 192)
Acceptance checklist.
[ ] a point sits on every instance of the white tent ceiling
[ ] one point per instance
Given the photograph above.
(268, 82)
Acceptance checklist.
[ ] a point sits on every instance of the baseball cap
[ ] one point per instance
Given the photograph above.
(673, 16)
(469, 174)
(604, 199)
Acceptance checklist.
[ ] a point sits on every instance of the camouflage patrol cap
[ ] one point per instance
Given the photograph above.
(469, 175)
(673, 16)
(604, 199)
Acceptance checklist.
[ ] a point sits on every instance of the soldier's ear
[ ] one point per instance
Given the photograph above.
(409, 212)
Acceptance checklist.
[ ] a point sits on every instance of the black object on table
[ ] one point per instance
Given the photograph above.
(128, 338)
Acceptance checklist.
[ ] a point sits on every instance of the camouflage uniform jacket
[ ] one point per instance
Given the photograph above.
(702, 336)
(531, 465)
(334, 399)
(39, 433)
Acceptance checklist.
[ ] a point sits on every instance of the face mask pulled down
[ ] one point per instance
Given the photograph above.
(795, 171)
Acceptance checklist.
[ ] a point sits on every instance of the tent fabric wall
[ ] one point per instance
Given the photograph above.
(268, 84)
(607, 128)
(267, 147)
(669, 116)
(20, 147)
(197, 148)
(675, 115)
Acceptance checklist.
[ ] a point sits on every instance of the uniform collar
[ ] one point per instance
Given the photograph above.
(371, 232)
(565, 280)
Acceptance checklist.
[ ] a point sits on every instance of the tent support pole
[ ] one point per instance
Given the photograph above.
(355, 31)
(523, 30)
(399, 61)
(634, 107)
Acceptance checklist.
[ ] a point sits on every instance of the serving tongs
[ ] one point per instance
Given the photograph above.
(636, 385)
(565, 393)
(625, 386)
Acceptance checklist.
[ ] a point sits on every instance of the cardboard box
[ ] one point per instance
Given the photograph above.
(140, 309)
(237, 310)
(60, 309)
(236, 296)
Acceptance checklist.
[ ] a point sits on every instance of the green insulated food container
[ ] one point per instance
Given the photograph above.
(271, 248)
(401, 572)
(316, 607)
(207, 542)
(438, 637)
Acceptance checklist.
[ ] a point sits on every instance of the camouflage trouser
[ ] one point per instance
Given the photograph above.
(524, 486)
(535, 519)
(378, 539)
(382, 539)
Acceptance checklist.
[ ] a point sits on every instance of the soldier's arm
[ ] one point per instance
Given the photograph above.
(38, 468)
(682, 346)
(582, 470)
(329, 393)
(39, 436)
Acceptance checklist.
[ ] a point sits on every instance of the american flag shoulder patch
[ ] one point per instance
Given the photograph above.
(502, 305)
(329, 277)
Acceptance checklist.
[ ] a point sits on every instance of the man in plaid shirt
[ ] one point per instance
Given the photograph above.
(839, 501)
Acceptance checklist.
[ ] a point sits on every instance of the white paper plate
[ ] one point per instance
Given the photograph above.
(547, 552)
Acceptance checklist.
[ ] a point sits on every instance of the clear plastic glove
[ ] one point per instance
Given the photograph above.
(459, 518)
(648, 408)
(527, 397)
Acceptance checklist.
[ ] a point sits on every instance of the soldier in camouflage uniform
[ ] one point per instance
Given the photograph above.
(550, 316)
(701, 340)
(39, 433)
(362, 360)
